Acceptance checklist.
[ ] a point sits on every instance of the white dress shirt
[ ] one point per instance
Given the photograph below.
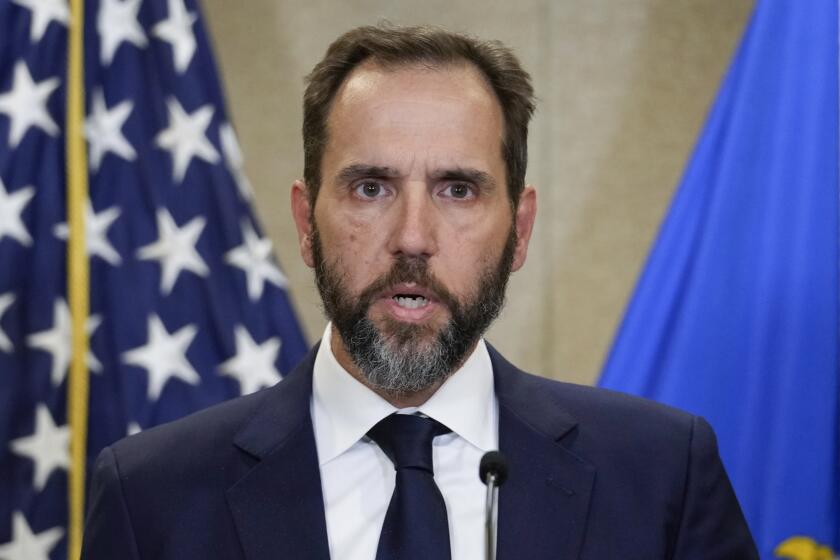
(357, 478)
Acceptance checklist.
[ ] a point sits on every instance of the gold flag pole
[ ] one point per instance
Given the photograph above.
(77, 277)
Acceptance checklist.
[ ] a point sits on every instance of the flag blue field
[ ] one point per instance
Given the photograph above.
(735, 316)
(188, 306)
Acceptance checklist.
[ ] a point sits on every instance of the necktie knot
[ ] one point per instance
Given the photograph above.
(407, 440)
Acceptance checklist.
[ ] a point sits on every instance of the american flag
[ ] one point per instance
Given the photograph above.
(187, 304)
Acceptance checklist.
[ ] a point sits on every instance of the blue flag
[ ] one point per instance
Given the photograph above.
(187, 305)
(736, 314)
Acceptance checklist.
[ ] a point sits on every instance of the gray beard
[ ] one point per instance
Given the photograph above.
(407, 368)
(405, 358)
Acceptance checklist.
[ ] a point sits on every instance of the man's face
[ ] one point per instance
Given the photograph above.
(412, 235)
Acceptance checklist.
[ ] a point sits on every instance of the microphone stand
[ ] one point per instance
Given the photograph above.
(492, 471)
(489, 518)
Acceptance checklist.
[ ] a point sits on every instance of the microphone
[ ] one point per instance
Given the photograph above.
(493, 471)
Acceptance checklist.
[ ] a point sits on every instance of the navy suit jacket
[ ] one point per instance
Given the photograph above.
(593, 475)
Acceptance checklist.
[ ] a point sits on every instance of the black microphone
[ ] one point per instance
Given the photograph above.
(493, 468)
(493, 471)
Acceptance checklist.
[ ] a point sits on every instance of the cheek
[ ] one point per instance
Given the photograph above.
(469, 255)
(480, 249)
(339, 230)
(351, 245)
(478, 240)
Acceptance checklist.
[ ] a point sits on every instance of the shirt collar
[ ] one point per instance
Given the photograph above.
(343, 409)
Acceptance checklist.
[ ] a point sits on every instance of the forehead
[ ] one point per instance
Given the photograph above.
(372, 74)
(444, 111)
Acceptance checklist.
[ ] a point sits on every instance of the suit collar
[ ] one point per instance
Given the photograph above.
(278, 506)
(543, 506)
(283, 410)
(525, 396)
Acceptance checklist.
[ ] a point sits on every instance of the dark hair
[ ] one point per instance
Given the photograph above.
(391, 45)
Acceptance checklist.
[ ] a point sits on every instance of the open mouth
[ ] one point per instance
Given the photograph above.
(410, 301)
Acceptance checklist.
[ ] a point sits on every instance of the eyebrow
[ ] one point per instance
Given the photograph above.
(467, 175)
(357, 171)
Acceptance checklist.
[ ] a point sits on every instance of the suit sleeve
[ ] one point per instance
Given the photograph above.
(108, 530)
(712, 525)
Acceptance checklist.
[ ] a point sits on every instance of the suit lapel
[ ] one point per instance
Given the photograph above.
(543, 505)
(278, 506)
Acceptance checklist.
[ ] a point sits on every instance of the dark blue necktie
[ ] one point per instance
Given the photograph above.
(416, 527)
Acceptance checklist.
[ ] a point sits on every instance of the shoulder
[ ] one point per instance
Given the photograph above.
(601, 418)
(601, 405)
(212, 424)
(187, 445)
(210, 434)
(657, 468)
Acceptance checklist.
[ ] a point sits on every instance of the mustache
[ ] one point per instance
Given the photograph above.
(409, 270)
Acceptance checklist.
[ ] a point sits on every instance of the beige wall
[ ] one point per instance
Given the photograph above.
(623, 89)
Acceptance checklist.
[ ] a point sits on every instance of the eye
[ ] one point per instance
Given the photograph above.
(459, 191)
(370, 190)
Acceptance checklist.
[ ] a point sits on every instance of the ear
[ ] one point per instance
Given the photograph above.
(526, 213)
(302, 214)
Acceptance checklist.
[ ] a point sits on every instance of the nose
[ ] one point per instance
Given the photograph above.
(414, 233)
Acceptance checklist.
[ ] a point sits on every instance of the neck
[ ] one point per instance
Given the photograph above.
(398, 400)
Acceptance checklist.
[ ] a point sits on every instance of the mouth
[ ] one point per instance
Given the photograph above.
(410, 302)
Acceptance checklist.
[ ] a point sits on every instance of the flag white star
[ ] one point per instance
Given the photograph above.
(103, 130)
(26, 545)
(185, 137)
(6, 301)
(177, 31)
(116, 23)
(26, 104)
(254, 257)
(234, 159)
(11, 209)
(43, 12)
(48, 447)
(164, 356)
(175, 249)
(96, 233)
(59, 339)
(133, 428)
(253, 364)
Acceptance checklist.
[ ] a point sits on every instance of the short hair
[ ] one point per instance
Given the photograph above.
(391, 45)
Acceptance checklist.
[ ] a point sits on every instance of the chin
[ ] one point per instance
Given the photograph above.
(406, 332)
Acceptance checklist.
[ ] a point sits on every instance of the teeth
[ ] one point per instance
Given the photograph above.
(415, 302)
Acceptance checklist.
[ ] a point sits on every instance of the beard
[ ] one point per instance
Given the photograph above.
(406, 358)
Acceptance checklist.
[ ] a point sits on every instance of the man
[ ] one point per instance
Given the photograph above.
(413, 213)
